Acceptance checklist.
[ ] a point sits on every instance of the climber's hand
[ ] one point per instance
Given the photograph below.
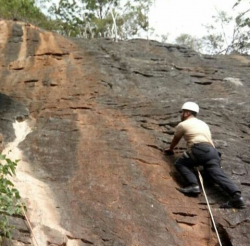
(168, 152)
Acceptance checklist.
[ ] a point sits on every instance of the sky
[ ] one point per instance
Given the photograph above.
(175, 17)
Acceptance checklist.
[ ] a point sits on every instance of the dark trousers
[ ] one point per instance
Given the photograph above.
(207, 156)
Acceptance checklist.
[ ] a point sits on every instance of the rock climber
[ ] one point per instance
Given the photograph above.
(201, 152)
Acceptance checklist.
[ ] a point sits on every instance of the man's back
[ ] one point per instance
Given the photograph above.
(194, 131)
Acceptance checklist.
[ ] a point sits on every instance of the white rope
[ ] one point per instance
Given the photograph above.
(209, 209)
(25, 215)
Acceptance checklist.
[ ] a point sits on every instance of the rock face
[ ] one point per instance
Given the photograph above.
(90, 119)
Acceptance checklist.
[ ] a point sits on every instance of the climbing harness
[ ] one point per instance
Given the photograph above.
(209, 209)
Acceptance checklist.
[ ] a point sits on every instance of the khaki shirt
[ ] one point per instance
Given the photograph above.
(194, 131)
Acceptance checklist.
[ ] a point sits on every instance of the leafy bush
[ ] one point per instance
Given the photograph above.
(10, 200)
(26, 11)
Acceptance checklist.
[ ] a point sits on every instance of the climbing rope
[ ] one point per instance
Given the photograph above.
(209, 209)
(29, 225)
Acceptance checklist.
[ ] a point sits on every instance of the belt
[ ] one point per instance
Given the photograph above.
(201, 143)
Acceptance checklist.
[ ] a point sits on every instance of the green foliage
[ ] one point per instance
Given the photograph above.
(27, 11)
(15, 9)
(243, 23)
(237, 41)
(243, 18)
(10, 200)
(164, 38)
(64, 14)
(189, 41)
(134, 18)
(93, 18)
(218, 39)
(82, 18)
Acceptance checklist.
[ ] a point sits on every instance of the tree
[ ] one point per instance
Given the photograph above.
(95, 18)
(165, 37)
(221, 39)
(243, 19)
(189, 41)
(243, 22)
(217, 40)
(237, 41)
(27, 11)
(134, 18)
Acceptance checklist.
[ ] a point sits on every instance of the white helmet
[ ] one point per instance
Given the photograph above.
(192, 106)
